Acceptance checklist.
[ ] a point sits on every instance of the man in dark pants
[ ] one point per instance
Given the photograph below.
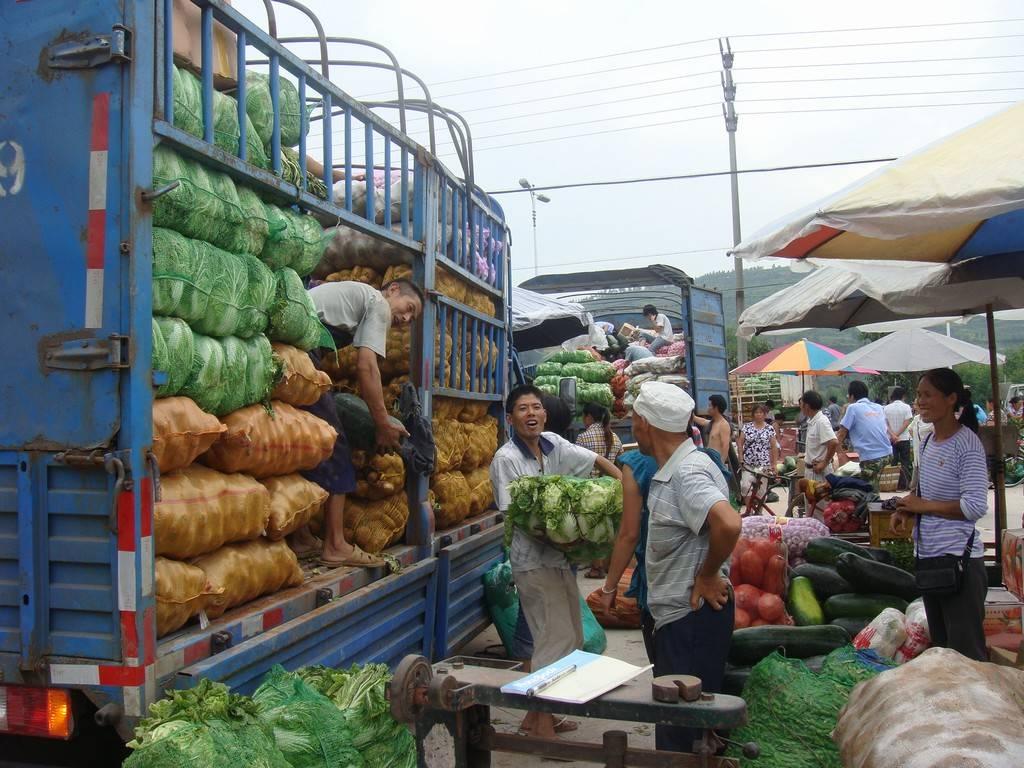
(691, 534)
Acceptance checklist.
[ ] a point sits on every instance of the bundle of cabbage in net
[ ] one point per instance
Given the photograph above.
(577, 515)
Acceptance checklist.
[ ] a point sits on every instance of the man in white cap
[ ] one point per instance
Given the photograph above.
(691, 534)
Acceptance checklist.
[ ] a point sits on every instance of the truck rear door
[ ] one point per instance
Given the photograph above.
(709, 366)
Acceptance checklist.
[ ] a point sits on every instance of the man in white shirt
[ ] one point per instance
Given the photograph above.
(356, 315)
(662, 334)
(547, 587)
(898, 416)
(820, 444)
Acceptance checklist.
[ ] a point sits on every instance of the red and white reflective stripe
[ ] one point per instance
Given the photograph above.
(138, 683)
(97, 221)
(127, 579)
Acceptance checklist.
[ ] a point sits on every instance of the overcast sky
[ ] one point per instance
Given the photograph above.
(457, 46)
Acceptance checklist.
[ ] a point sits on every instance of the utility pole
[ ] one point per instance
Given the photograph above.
(731, 121)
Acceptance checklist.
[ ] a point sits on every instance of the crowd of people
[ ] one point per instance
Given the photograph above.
(679, 526)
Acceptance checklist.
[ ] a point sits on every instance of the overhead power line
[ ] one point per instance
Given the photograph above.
(890, 106)
(874, 95)
(872, 63)
(627, 258)
(877, 29)
(881, 77)
(683, 176)
(827, 46)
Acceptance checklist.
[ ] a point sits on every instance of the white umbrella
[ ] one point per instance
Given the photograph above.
(932, 322)
(914, 349)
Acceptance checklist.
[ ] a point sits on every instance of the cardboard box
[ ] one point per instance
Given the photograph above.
(1003, 612)
(1013, 561)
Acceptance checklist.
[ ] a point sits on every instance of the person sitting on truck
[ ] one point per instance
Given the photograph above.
(691, 533)
(864, 423)
(358, 315)
(661, 336)
(636, 352)
(547, 588)
(720, 434)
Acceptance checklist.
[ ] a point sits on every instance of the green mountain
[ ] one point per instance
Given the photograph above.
(761, 282)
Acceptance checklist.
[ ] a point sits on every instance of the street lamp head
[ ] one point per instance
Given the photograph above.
(524, 184)
(543, 198)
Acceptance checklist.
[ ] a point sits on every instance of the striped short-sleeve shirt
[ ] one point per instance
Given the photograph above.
(680, 498)
(952, 470)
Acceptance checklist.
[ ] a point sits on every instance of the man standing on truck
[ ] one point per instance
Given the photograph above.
(864, 423)
(691, 533)
(661, 336)
(359, 315)
(547, 588)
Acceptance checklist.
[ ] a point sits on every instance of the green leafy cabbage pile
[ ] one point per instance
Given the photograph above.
(579, 516)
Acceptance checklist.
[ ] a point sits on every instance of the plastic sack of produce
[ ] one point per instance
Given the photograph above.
(547, 381)
(206, 381)
(264, 443)
(252, 234)
(300, 383)
(182, 592)
(259, 108)
(791, 710)
(309, 729)
(229, 374)
(918, 636)
(549, 368)
(204, 726)
(295, 240)
(796, 533)
(884, 634)
(181, 432)
(453, 498)
(246, 571)
(939, 709)
(376, 525)
(179, 352)
(597, 373)
(293, 501)
(204, 205)
(450, 442)
(577, 515)
(758, 572)
(381, 476)
(601, 394)
(657, 365)
(625, 614)
(361, 693)
(201, 509)
(293, 318)
(840, 517)
(571, 356)
(481, 492)
(481, 443)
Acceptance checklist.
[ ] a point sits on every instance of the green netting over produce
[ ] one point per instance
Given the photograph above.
(159, 356)
(179, 345)
(261, 109)
(293, 317)
(574, 370)
(295, 240)
(204, 726)
(597, 372)
(548, 389)
(571, 356)
(308, 728)
(546, 381)
(216, 292)
(230, 373)
(359, 692)
(792, 710)
(292, 173)
(549, 368)
(601, 394)
(204, 205)
(251, 235)
(188, 115)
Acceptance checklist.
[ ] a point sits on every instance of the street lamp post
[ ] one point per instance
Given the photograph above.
(534, 197)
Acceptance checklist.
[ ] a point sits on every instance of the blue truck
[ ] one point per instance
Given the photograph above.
(617, 296)
(87, 98)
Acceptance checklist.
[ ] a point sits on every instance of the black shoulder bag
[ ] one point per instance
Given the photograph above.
(943, 575)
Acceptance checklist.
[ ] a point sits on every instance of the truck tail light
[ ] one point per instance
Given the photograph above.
(44, 712)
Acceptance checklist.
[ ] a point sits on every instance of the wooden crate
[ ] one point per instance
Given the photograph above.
(880, 527)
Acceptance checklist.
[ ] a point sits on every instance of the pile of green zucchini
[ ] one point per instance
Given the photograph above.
(832, 597)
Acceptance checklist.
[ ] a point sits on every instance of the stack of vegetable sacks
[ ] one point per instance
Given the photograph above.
(578, 516)
(670, 369)
(592, 376)
(227, 282)
(466, 437)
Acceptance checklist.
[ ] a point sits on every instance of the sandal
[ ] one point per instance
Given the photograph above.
(565, 725)
(594, 573)
(356, 559)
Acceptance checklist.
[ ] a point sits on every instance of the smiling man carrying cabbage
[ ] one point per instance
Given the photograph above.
(546, 584)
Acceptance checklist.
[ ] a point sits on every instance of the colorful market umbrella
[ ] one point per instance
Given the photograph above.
(797, 359)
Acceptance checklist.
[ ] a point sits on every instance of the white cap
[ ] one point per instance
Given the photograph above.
(664, 406)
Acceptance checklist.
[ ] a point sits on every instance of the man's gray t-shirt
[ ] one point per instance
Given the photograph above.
(514, 459)
(355, 308)
(681, 496)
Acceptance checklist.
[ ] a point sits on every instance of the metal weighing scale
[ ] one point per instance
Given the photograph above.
(449, 705)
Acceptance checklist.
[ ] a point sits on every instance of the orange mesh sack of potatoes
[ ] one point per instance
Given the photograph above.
(396, 272)
(447, 284)
(293, 501)
(383, 475)
(247, 571)
(376, 525)
(472, 411)
(453, 502)
(182, 591)
(266, 444)
(181, 432)
(301, 383)
(450, 442)
(481, 443)
(446, 408)
(201, 510)
(481, 492)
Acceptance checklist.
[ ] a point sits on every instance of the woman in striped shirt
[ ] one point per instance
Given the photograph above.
(952, 495)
